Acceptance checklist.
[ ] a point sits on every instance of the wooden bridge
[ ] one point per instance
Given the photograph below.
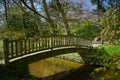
(15, 50)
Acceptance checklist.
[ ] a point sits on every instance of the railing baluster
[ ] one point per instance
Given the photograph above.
(58, 41)
(55, 41)
(39, 43)
(9, 49)
(36, 40)
(42, 46)
(62, 40)
(50, 43)
(25, 42)
(12, 53)
(21, 50)
(32, 45)
(45, 42)
(29, 46)
(65, 40)
(16, 48)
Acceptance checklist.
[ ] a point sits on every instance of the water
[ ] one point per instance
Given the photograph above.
(58, 69)
(49, 69)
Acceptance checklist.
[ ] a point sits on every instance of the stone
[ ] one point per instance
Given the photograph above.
(118, 66)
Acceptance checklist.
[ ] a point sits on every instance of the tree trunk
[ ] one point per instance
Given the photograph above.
(36, 17)
(50, 21)
(64, 18)
(6, 13)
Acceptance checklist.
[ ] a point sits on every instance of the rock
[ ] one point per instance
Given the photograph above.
(118, 66)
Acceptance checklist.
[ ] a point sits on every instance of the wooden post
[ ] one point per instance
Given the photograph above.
(21, 47)
(6, 51)
(29, 46)
(39, 44)
(16, 48)
(25, 47)
(11, 48)
(51, 42)
(76, 41)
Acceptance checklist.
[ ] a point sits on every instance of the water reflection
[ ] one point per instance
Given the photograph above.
(52, 68)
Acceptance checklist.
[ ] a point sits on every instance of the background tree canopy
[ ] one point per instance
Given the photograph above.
(85, 18)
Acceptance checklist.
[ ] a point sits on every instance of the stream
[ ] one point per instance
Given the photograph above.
(59, 69)
(51, 69)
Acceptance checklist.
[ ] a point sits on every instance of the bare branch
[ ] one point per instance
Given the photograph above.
(33, 10)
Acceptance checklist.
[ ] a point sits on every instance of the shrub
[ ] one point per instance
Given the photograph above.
(109, 50)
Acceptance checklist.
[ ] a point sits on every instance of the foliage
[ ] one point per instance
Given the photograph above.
(87, 30)
(108, 50)
(106, 4)
(103, 73)
(15, 22)
(111, 25)
(110, 59)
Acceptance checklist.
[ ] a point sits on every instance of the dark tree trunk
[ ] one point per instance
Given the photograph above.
(6, 13)
(36, 17)
(50, 21)
(64, 18)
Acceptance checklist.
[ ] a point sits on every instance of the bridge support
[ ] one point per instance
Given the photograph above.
(85, 54)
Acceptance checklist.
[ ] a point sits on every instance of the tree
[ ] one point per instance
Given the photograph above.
(50, 20)
(59, 8)
(100, 5)
(33, 9)
(114, 3)
(88, 30)
(111, 25)
(36, 17)
(6, 12)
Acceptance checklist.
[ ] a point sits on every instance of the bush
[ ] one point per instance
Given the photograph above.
(109, 50)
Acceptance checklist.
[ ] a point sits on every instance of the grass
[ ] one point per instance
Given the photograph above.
(108, 55)
(108, 50)
(1, 43)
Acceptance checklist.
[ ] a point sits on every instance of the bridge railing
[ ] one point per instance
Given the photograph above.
(20, 47)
